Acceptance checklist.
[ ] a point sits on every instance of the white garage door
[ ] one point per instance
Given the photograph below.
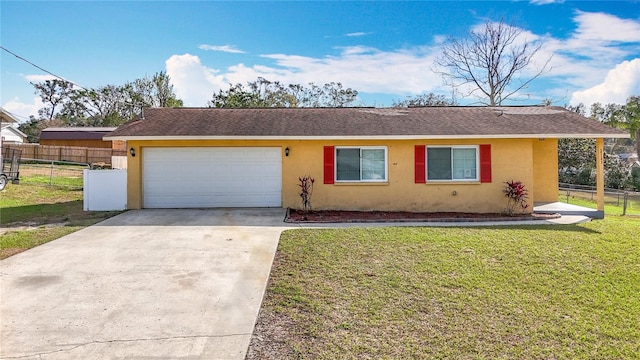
(212, 177)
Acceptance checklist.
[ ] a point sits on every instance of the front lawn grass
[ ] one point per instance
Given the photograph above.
(484, 293)
(31, 215)
(74, 182)
(611, 207)
(56, 175)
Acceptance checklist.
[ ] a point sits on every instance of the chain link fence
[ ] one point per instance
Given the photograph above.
(48, 172)
(623, 202)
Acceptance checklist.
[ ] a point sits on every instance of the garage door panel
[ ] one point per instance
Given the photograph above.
(212, 177)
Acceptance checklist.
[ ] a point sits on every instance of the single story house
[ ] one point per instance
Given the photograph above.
(12, 135)
(423, 159)
(90, 137)
(629, 158)
(9, 132)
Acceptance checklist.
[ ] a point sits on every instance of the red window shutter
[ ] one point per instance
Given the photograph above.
(485, 163)
(329, 154)
(420, 165)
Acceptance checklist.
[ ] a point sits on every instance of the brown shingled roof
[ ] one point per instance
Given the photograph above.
(422, 122)
(75, 133)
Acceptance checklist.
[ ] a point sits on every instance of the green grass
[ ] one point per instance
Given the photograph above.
(14, 242)
(57, 174)
(37, 212)
(76, 182)
(483, 293)
(611, 206)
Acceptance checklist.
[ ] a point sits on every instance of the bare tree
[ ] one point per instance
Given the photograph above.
(492, 60)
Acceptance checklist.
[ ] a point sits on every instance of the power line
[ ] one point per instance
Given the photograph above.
(38, 67)
(14, 114)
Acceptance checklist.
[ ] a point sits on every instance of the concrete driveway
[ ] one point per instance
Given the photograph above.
(146, 284)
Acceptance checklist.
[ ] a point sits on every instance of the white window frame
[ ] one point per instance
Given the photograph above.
(386, 164)
(475, 147)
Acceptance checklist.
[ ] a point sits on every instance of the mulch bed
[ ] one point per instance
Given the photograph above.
(339, 216)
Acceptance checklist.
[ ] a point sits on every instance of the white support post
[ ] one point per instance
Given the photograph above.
(600, 174)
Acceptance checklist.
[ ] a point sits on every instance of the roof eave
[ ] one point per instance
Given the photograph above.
(15, 131)
(366, 137)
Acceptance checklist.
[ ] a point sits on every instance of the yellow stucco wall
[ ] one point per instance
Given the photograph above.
(511, 159)
(545, 170)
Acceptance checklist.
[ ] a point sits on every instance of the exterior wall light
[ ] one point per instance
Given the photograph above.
(286, 151)
(132, 151)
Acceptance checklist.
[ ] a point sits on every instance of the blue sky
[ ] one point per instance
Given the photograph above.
(383, 49)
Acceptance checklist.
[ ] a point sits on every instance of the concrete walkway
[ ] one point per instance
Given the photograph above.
(152, 284)
(567, 209)
(563, 220)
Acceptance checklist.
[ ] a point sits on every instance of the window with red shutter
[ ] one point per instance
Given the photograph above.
(443, 163)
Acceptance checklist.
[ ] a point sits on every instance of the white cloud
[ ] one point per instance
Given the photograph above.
(581, 62)
(356, 34)
(223, 48)
(620, 82)
(23, 110)
(366, 69)
(603, 27)
(39, 78)
(546, 2)
(597, 41)
(440, 39)
(194, 83)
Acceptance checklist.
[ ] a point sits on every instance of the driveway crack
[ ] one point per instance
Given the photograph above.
(72, 347)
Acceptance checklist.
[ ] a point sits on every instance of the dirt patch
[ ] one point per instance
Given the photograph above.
(337, 216)
(270, 335)
(28, 226)
(5, 253)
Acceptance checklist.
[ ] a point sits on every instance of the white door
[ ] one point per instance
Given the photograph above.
(198, 177)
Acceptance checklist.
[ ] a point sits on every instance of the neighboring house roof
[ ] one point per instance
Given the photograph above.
(10, 133)
(75, 133)
(7, 117)
(365, 123)
(628, 156)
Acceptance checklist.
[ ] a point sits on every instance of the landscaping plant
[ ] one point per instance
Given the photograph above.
(517, 196)
(306, 190)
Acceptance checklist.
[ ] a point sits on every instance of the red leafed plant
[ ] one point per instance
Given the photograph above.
(517, 195)
(306, 190)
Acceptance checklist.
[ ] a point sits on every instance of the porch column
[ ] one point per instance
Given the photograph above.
(600, 174)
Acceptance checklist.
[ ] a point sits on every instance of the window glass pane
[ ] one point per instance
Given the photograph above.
(373, 166)
(464, 163)
(438, 163)
(348, 164)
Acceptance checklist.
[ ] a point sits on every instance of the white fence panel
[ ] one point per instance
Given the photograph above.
(119, 162)
(105, 190)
